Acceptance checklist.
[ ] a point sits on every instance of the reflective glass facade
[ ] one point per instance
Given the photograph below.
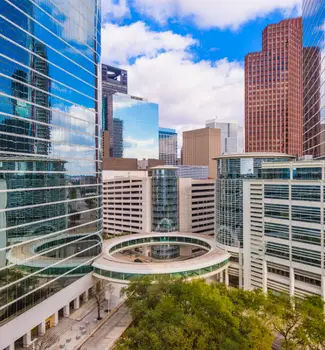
(168, 146)
(113, 80)
(135, 128)
(313, 15)
(165, 208)
(50, 181)
(229, 194)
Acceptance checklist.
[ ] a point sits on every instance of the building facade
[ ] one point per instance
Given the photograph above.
(128, 196)
(274, 91)
(135, 128)
(284, 229)
(113, 80)
(50, 200)
(200, 147)
(232, 170)
(168, 146)
(230, 135)
(313, 15)
(197, 206)
(193, 171)
(126, 202)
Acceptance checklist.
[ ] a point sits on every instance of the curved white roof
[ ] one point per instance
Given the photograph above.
(112, 263)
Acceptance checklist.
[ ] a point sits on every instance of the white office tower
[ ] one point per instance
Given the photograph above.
(284, 228)
(231, 136)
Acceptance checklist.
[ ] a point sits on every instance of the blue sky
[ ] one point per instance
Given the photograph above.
(187, 55)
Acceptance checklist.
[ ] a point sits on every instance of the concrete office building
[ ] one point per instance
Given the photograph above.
(127, 202)
(274, 91)
(232, 170)
(230, 136)
(284, 228)
(197, 206)
(168, 146)
(313, 15)
(50, 205)
(200, 147)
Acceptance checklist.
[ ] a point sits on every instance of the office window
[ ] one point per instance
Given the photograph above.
(306, 214)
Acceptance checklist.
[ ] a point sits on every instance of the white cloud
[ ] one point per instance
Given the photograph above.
(146, 147)
(121, 43)
(214, 13)
(163, 70)
(189, 92)
(113, 9)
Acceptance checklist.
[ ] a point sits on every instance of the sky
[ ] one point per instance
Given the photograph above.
(188, 55)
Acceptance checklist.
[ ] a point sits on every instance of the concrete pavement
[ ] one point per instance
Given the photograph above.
(106, 336)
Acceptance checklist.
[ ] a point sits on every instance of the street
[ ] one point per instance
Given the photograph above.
(110, 331)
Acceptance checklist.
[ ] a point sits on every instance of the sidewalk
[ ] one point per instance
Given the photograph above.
(74, 330)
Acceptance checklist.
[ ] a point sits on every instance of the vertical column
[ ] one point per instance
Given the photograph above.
(86, 295)
(264, 276)
(241, 267)
(56, 318)
(226, 277)
(221, 276)
(41, 328)
(323, 287)
(146, 250)
(292, 282)
(66, 310)
(27, 339)
(10, 347)
(76, 303)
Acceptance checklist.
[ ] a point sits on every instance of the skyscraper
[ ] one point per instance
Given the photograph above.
(135, 127)
(231, 135)
(232, 170)
(200, 146)
(50, 211)
(168, 146)
(113, 80)
(313, 15)
(274, 92)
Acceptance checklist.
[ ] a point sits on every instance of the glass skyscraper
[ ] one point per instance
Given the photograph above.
(50, 171)
(135, 128)
(164, 208)
(168, 146)
(313, 15)
(232, 169)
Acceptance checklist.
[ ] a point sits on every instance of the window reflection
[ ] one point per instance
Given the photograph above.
(135, 128)
(50, 174)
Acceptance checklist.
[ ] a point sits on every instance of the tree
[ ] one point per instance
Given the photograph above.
(298, 321)
(176, 314)
(99, 294)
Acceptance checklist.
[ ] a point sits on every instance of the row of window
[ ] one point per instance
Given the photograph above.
(301, 255)
(299, 234)
(305, 193)
(297, 173)
(298, 213)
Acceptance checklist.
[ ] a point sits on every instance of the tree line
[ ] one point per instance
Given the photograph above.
(171, 313)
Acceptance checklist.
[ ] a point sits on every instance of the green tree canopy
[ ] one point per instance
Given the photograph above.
(175, 314)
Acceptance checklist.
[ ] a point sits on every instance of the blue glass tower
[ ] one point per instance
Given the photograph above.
(50, 169)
